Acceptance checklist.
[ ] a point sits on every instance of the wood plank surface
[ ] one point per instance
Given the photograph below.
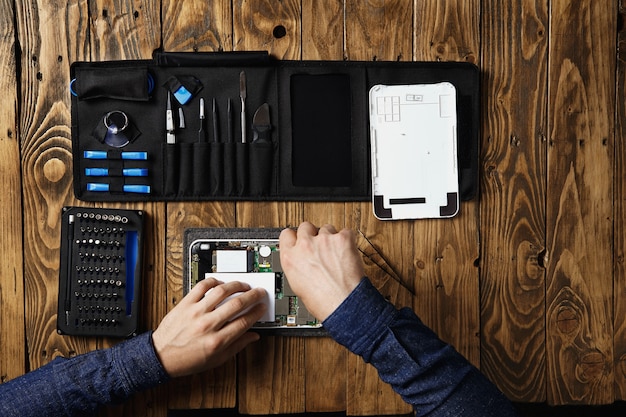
(378, 31)
(197, 26)
(579, 346)
(619, 250)
(44, 125)
(322, 39)
(513, 160)
(118, 31)
(446, 251)
(271, 372)
(216, 388)
(12, 354)
(528, 281)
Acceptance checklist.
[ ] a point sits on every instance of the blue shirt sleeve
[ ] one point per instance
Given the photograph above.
(428, 373)
(78, 386)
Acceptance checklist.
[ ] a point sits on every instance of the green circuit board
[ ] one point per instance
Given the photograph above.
(211, 256)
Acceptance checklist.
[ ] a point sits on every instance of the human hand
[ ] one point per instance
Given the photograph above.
(198, 335)
(322, 266)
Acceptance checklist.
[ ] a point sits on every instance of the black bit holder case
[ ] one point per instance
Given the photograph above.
(100, 271)
(319, 148)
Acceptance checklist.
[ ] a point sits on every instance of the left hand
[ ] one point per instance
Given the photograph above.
(198, 335)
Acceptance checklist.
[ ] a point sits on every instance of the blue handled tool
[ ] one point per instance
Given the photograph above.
(135, 156)
(126, 172)
(128, 188)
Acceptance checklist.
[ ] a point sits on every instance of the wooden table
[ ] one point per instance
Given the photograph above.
(528, 281)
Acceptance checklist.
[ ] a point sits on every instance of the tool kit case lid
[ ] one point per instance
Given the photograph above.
(235, 126)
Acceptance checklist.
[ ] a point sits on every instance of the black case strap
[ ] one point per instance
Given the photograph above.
(204, 59)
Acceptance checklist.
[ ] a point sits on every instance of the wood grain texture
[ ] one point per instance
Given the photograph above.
(447, 31)
(128, 29)
(323, 30)
(579, 304)
(379, 31)
(12, 354)
(131, 30)
(513, 164)
(266, 25)
(193, 26)
(619, 239)
(271, 372)
(216, 388)
(445, 251)
(322, 38)
(528, 281)
(44, 126)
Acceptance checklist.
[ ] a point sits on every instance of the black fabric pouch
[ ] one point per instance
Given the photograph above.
(318, 147)
(124, 83)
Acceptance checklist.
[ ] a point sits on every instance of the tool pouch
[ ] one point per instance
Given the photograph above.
(319, 147)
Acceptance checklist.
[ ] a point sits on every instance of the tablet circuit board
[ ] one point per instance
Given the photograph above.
(257, 262)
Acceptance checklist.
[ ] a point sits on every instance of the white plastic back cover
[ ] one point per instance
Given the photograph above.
(414, 151)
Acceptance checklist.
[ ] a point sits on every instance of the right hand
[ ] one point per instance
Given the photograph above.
(323, 266)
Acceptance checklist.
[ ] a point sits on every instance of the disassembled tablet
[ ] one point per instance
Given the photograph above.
(414, 151)
(253, 260)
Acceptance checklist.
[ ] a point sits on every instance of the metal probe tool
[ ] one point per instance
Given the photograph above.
(242, 95)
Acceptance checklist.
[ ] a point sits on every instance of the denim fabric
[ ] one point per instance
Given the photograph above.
(77, 386)
(428, 374)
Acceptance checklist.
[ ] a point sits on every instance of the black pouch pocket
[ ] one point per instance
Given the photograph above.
(216, 171)
(261, 163)
(127, 83)
(241, 167)
(186, 169)
(230, 179)
(202, 154)
(170, 169)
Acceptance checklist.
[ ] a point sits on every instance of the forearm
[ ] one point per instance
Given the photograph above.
(78, 386)
(426, 372)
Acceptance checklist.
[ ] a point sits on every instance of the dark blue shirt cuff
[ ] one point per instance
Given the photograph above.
(360, 319)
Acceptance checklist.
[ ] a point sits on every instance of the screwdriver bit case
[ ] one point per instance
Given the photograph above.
(319, 149)
(100, 271)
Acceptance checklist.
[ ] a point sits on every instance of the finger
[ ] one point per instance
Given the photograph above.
(235, 306)
(349, 235)
(328, 228)
(200, 289)
(307, 229)
(221, 292)
(236, 327)
(287, 238)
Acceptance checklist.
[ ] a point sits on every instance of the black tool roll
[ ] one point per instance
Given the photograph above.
(170, 128)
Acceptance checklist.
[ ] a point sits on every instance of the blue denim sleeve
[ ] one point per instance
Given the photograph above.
(428, 373)
(78, 386)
